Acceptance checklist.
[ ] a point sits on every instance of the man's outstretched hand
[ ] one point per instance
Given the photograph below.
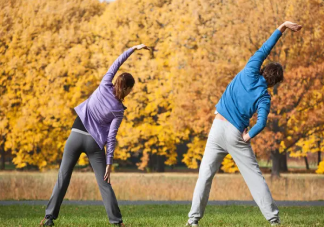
(290, 25)
(293, 26)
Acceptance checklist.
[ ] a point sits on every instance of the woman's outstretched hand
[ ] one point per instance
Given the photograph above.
(293, 26)
(141, 46)
(107, 174)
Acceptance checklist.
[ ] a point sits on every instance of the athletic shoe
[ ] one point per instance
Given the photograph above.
(275, 222)
(48, 222)
(193, 224)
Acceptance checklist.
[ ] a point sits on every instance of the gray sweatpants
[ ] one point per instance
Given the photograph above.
(75, 145)
(225, 138)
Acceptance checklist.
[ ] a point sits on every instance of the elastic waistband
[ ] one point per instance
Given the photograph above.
(80, 131)
(227, 124)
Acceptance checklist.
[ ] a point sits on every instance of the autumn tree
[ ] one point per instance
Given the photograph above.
(43, 53)
(297, 104)
(54, 54)
(235, 36)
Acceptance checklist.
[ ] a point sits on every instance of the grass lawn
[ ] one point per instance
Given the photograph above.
(160, 215)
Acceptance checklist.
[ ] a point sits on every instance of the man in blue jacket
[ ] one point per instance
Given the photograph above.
(246, 94)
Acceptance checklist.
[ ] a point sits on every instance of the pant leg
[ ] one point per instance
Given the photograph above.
(98, 162)
(245, 159)
(72, 151)
(212, 159)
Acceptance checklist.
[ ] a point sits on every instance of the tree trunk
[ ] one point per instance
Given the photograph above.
(160, 164)
(275, 156)
(3, 158)
(319, 159)
(279, 163)
(283, 162)
(3, 153)
(306, 163)
(156, 163)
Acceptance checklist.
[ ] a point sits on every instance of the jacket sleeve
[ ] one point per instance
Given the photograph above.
(111, 138)
(109, 76)
(255, 62)
(263, 111)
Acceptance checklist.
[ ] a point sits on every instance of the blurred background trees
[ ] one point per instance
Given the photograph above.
(53, 55)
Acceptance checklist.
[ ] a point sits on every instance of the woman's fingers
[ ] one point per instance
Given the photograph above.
(142, 46)
(107, 178)
(108, 181)
(106, 175)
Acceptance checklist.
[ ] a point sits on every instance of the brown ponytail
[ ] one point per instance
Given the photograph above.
(124, 81)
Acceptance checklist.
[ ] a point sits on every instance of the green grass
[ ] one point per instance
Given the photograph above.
(160, 215)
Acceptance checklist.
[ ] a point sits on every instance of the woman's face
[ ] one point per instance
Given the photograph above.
(128, 90)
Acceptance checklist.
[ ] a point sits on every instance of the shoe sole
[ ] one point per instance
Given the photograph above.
(192, 225)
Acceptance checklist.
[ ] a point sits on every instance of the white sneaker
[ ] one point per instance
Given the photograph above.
(194, 224)
(275, 222)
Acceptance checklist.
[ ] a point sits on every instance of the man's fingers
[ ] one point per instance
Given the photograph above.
(295, 27)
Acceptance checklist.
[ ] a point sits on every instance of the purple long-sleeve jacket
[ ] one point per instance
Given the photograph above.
(101, 114)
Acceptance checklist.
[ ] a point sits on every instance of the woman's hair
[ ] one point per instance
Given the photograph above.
(124, 81)
(272, 73)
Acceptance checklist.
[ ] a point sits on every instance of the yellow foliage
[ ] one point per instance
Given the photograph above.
(83, 160)
(195, 152)
(312, 143)
(320, 169)
(42, 59)
(54, 56)
(228, 165)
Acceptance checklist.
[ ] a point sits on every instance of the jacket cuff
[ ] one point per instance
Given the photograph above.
(109, 160)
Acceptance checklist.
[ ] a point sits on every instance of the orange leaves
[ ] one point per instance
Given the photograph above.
(54, 56)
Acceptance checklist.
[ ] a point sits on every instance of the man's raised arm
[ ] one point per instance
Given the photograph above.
(255, 62)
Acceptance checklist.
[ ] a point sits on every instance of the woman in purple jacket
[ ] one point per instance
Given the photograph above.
(97, 123)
